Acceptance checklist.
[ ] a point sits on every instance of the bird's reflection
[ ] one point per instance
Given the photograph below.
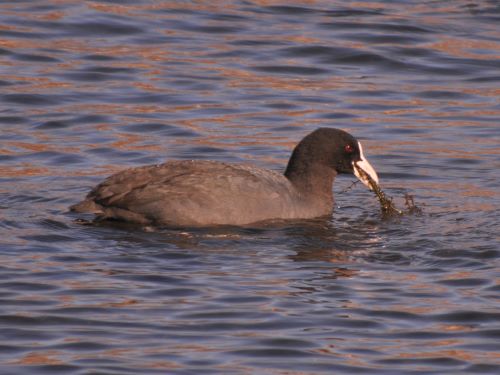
(333, 245)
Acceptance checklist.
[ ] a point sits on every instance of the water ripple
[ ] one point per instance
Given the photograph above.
(92, 87)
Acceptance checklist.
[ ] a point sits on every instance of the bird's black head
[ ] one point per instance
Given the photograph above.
(329, 148)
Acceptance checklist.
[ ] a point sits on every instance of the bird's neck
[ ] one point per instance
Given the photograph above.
(312, 180)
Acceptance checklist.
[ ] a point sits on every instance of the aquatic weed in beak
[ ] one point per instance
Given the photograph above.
(387, 206)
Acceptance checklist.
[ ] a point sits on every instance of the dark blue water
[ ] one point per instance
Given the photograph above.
(89, 88)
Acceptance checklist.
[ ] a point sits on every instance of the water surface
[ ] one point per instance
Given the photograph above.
(89, 88)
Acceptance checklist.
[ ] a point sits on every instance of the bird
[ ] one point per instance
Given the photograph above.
(203, 193)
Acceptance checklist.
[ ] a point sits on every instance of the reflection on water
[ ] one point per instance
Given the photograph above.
(89, 88)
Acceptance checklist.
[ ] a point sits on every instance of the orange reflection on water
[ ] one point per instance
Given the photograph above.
(464, 47)
(25, 170)
(40, 358)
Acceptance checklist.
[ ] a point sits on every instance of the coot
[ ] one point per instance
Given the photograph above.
(206, 193)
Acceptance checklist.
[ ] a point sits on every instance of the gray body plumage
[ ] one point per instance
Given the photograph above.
(199, 193)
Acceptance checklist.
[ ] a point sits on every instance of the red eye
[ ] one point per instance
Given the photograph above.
(349, 149)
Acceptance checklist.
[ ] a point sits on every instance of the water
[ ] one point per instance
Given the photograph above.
(89, 88)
